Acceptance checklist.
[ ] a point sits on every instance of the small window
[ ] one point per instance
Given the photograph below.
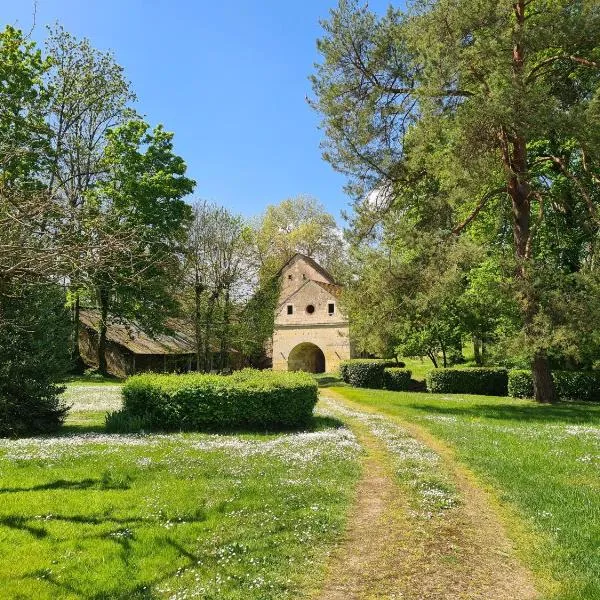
(290, 277)
(303, 275)
(290, 309)
(310, 309)
(331, 308)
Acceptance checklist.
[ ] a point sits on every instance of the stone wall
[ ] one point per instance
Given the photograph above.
(309, 322)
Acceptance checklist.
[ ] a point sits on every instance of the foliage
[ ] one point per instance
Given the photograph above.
(246, 399)
(397, 379)
(368, 373)
(302, 225)
(485, 117)
(578, 386)
(33, 357)
(485, 381)
(520, 383)
(216, 281)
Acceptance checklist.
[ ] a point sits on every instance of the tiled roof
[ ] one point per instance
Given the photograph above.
(180, 340)
(333, 288)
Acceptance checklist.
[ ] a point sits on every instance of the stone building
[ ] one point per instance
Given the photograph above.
(311, 334)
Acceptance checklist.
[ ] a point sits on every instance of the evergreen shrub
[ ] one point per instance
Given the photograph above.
(193, 401)
(396, 379)
(365, 372)
(484, 381)
(582, 386)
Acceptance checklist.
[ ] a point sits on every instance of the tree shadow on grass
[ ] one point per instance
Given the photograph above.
(570, 413)
(59, 484)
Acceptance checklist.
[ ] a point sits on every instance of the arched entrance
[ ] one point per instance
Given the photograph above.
(307, 357)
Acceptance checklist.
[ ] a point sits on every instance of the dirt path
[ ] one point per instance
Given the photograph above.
(392, 551)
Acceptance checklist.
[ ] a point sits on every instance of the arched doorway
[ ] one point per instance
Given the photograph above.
(307, 357)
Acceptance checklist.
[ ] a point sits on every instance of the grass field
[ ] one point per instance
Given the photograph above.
(91, 515)
(543, 464)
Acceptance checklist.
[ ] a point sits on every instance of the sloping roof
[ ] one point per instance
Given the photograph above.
(310, 261)
(333, 288)
(128, 334)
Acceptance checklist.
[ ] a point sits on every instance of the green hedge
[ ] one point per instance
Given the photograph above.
(365, 373)
(520, 384)
(396, 379)
(192, 402)
(483, 381)
(581, 386)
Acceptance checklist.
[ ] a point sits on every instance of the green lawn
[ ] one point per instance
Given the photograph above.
(543, 463)
(91, 515)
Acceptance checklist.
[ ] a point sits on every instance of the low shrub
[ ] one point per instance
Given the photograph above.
(583, 386)
(193, 402)
(365, 372)
(485, 381)
(396, 379)
(520, 384)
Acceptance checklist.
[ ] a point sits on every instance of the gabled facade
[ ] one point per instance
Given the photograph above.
(311, 333)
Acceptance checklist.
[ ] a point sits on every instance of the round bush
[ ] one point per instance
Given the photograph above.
(396, 379)
(484, 381)
(193, 402)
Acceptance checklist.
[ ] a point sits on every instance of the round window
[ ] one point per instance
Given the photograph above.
(310, 309)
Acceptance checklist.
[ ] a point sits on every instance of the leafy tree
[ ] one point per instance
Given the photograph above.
(33, 326)
(301, 225)
(217, 270)
(469, 94)
(89, 96)
(137, 209)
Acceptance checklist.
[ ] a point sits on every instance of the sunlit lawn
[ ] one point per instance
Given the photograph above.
(90, 515)
(543, 461)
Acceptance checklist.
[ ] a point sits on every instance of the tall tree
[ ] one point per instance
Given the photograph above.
(139, 203)
(218, 272)
(32, 323)
(299, 224)
(89, 96)
(466, 91)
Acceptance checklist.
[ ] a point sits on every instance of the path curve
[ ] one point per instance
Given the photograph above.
(389, 552)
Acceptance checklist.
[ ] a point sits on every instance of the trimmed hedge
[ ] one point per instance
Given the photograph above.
(396, 379)
(365, 373)
(583, 386)
(520, 384)
(485, 381)
(193, 401)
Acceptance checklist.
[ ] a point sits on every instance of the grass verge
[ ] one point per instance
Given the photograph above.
(542, 462)
(91, 515)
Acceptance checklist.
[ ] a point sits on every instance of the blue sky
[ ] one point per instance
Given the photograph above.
(229, 78)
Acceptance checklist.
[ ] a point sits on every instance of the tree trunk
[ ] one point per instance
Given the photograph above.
(102, 326)
(477, 351)
(75, 354)
(198, 288)
(207, 331)
(445, 360)
(224, 360)
(513, 147)
(543, 384)
(432, 358)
